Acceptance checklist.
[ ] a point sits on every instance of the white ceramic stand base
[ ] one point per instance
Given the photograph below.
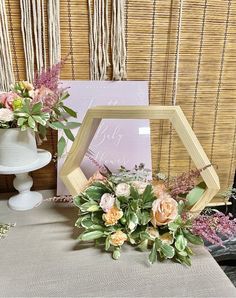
(26, 199)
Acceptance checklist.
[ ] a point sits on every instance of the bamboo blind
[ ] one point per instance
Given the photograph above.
(206, 88)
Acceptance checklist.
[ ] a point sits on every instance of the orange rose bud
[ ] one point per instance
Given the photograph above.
(112, 216)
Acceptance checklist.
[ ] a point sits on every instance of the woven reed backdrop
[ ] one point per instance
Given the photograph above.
(206, 88)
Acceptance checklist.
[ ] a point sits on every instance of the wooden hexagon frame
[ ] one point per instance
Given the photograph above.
(75, 180)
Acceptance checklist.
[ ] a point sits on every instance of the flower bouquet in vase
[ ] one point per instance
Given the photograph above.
(28, 110)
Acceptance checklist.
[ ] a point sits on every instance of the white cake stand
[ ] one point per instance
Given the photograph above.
(26, 199)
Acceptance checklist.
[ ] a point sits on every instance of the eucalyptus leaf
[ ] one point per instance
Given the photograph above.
(61, 146)
(70, 111)
(69, 134)
(71, 125)
(57, 125)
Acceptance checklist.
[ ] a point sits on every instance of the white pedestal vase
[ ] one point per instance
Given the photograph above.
(17, 148)
(19, 155)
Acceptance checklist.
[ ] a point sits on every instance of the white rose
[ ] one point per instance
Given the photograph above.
(107, 202)
(6, 115)
(123, 190)
(140, 186)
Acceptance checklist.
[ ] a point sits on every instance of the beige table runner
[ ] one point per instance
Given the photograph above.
(41, 258)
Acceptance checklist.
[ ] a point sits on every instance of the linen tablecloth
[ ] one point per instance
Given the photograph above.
(41, 258)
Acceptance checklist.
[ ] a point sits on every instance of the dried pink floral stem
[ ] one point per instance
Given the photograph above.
(211, 227)
(95, 162)
(184, 183)
(61, 199)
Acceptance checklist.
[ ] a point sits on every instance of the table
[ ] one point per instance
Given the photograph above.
(26, 199)
(41, 258)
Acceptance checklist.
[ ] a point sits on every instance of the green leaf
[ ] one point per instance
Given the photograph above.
(153, 255)
(69, 135)
(194, 239)
(133, 221)
(64, 96)
(145, 218)
(168, 251)
(90, 206)
(148, 194)
(107, 243)
(181, 242)
(94, 193)
(79, 220)
(189, 251)
(39, 120)
(182, 253)
(134, 193)
(195, 194)
(173, 226)
(69, 111)
(91, 235)
(37, 108)
(71, 125)
(147, 205)
(31, 122)
(61, 146)
(19, 114)
(144, 235)
(57, 125)
(42, 131)
(158, 243)
(21, 121)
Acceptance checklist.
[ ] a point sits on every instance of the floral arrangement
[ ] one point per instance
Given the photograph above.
(150, 215)
(38, 106)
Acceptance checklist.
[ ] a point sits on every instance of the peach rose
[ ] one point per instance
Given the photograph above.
(118, 238)
(7, 98)
(112, 216)
(164, 210)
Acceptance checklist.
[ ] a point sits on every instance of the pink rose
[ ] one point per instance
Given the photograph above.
(107, 202)
(7, 98)
(164, 210)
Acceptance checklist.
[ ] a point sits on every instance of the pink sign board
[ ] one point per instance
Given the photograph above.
(117, 142)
